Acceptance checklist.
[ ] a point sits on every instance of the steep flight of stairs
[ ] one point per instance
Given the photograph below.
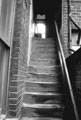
(43, 97)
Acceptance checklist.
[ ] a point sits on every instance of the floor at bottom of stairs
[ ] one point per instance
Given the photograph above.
(38, 118)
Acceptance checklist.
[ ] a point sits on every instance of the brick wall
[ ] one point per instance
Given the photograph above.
(18, 66)
(75, 11)
(65, 29)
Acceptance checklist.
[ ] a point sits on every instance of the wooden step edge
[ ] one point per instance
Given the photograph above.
(43, 39)
(42, 93)
(46, 74)
(44, 106)
(44, 59)
(39, 82)
(44, 42)
(43, 75)
(47, 67)
(40, 118)
(11, 119)
(44, 49)
(43, 66)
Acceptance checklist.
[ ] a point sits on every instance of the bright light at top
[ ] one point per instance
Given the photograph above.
(41, 29)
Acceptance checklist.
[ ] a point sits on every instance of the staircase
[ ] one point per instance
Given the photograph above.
(43, 97)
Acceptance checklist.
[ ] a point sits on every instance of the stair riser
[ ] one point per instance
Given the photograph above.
(32, 112)
(43, 47)
(43, 62)
(36, 39)
(44, 78)
(44, 56)
(55, 70)
(44, 41)
(33, 87)
(45, 51)
(43, 99)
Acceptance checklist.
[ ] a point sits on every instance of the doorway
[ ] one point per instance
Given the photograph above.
(52, 12)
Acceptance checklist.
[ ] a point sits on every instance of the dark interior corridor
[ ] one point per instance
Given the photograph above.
(51, 10)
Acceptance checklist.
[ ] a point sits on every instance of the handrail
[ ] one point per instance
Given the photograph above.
(64, 67)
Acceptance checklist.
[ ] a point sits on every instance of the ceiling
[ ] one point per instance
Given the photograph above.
(47, 7)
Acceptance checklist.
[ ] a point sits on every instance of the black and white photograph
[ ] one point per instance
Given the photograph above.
(40, 59)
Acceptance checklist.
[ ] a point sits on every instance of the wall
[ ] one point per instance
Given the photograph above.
(4, 65)
(75, 11)
(18, 65)
(0, 6)
(75, 14)
(65, 27)
(6, 20)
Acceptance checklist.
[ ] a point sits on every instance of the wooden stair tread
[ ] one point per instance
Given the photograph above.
(43, 95)
(40, 118)
(42, 82)
(43, 77)
(44, 106)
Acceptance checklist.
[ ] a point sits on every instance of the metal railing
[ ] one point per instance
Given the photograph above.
(66, 74)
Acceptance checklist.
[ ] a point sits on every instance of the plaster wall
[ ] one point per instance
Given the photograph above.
(6, 20)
